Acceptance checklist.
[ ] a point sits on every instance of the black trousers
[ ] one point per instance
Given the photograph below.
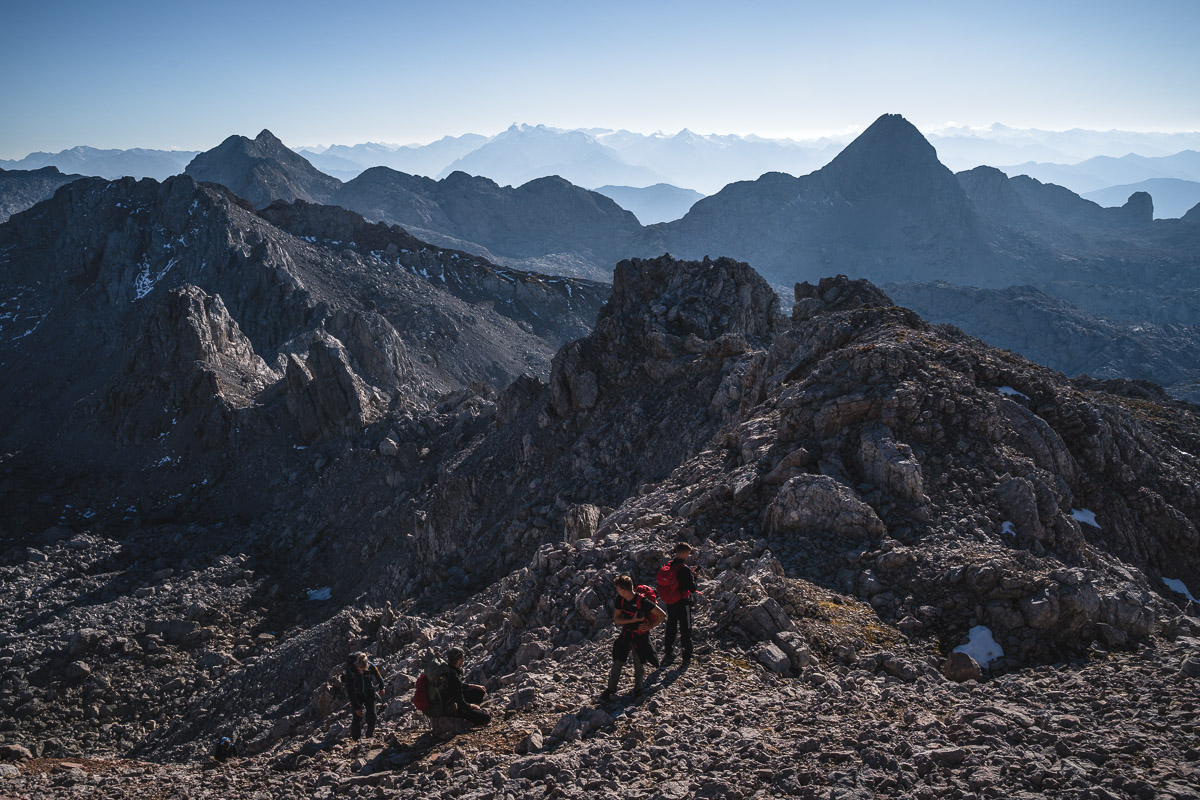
(643, 653)
(369, 715)
(679, 616)
(469, 710)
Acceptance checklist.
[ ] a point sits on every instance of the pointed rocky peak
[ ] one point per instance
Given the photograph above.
(890, 152)
(261, 170)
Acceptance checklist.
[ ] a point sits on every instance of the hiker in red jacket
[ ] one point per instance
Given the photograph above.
(635, 615)
(675, 586)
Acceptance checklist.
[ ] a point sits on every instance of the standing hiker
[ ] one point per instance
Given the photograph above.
(360, 679)
(675, 586)
(635, 614)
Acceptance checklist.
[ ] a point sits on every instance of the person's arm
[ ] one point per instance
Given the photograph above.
(378, 678)
(351, 695)
(687, 580)
(621, 617)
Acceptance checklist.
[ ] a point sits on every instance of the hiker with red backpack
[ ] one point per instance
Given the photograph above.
(440, 691)
(636, 612)
(676, 584)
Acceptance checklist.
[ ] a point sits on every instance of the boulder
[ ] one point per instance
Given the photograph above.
(78, 671)
(812, 504)
(14, 752)
(960, 667)
(764, 619)
(772, 657)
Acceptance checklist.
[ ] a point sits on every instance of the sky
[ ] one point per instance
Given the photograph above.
(187, 75)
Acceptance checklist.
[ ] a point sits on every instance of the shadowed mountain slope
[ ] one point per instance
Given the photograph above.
(22, 189)
(261, 170)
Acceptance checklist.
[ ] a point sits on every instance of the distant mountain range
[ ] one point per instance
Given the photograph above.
(111, 164)
(1104, 171)
(661, 202)
(885, 209)
(1172, 197)
(705, 162)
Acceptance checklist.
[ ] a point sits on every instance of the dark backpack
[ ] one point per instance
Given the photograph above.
(433, 681)
(668, 584)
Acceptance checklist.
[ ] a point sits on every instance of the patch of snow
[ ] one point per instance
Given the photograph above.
(1008, 527)
(1008, 390)
(981, 646)
(299, 447)
(145, 282)
(1176, 585)
(324, 593)
(1085, 516)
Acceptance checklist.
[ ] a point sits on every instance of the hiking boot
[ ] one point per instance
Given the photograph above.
(637, 693)
(605, 696)
(668, 659)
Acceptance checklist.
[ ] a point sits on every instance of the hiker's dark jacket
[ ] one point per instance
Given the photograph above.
(360, 686)
(683, 574)
(637, 607)
(452, 694)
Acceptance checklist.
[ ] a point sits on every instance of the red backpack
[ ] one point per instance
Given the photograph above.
(668, 584)
(646, 594)
(421, 695)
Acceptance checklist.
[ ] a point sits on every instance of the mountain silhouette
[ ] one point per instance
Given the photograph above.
(261, 170)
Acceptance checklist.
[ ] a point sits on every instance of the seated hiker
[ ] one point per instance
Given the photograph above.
(635, 614)
(462, 699)
(360, 679)
(225, 750)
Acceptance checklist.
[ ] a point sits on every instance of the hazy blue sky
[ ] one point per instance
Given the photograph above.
(172, 74)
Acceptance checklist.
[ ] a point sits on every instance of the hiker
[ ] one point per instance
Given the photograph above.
(462, 699)
(635, 614)
(225, 750)
(361, 678)
(676, 583)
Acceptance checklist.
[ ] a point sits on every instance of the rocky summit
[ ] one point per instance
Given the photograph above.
(929, 568)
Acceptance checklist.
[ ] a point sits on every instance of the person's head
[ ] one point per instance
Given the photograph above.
(360, 662)
(683, 550)
(624, 585)
(226, 741)
(455, 656)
